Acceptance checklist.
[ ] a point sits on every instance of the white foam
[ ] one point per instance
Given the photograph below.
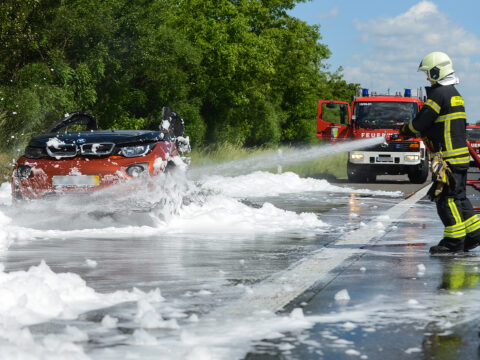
(5, 194)
(342, 296)
(38, 295)
(211, 214)
(220, 214)
(62, 219)
(261, 183)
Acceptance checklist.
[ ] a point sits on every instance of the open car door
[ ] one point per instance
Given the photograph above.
(334, 120)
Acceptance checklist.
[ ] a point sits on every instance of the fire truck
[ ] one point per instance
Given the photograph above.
(373, 115)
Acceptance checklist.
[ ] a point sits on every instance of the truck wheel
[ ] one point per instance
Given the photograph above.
(418, 174)
(354, 174)
(353, 177)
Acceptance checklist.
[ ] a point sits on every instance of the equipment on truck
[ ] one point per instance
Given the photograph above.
(370, 116)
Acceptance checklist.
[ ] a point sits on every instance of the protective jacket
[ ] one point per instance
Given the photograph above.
(442, 124)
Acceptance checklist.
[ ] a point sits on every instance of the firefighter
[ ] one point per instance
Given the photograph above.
(442, 125)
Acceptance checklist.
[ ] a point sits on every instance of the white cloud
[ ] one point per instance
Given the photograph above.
(396, 46)
(329, 14)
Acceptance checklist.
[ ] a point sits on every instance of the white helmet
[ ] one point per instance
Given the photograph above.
(436, 65)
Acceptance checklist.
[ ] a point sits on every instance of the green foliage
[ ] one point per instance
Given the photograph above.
(240, 72)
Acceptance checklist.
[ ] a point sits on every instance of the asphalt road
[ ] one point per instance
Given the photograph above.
(400, 302)
(401, 183)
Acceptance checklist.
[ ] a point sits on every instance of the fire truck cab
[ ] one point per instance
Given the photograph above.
(370, 116)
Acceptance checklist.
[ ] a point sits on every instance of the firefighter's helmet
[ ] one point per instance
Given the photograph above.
(436, 65)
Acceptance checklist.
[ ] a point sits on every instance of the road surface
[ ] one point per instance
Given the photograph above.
(260, 266)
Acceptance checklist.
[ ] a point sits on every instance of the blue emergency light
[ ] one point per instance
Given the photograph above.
(364, 92)
(408, 92)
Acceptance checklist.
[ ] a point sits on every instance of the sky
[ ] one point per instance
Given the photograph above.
(379, 44)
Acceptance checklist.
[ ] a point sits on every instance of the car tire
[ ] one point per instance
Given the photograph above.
(170, 166)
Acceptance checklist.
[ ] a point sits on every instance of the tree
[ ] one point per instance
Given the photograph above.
(239, 71)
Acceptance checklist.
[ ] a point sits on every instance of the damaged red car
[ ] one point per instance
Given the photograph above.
(73, 156)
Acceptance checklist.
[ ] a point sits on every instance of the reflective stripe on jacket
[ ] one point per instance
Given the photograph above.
(442, 121)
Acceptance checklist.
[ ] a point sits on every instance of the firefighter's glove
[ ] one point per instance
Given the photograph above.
(442, 178)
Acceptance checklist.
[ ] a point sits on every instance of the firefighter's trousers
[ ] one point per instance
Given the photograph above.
(462, 224)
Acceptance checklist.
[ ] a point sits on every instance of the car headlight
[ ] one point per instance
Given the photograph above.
(356, 156)
(23, 171)
(136, 150)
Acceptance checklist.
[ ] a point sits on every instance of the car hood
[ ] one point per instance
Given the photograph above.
(118, 137)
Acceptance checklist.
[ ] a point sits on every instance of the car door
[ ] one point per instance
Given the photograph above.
(334, 120)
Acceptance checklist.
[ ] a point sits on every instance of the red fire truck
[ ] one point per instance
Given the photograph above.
(370, 116)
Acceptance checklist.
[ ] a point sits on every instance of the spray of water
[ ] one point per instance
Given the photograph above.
(281, 158)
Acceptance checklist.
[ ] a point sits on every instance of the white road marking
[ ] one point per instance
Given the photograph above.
(280, 289)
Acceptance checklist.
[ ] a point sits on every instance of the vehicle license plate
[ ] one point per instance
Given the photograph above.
(384, 159)
(75, 180)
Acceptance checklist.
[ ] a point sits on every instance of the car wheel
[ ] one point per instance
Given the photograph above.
(170, 166)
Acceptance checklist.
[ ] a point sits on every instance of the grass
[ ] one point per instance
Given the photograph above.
(6, 167)
(329, 167)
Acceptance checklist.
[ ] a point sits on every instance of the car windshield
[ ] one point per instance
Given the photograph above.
(473, 134)
(384, 114)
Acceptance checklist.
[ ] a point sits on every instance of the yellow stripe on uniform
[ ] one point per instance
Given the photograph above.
(462, 160)
(448, 135)
(472, 224)
(457, 156)
(452, 116)
(456, 152)
(435, 107)
(457, 230)
(412, 129)
(454, 211)
(454, 234)
(446, 119)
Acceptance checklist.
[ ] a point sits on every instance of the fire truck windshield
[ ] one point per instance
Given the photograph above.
(384, 114)
(473, 133)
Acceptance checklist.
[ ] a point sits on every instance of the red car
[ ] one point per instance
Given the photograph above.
(74, 157)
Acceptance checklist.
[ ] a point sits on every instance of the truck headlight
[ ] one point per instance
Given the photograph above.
(356, 156)
(412, 157)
